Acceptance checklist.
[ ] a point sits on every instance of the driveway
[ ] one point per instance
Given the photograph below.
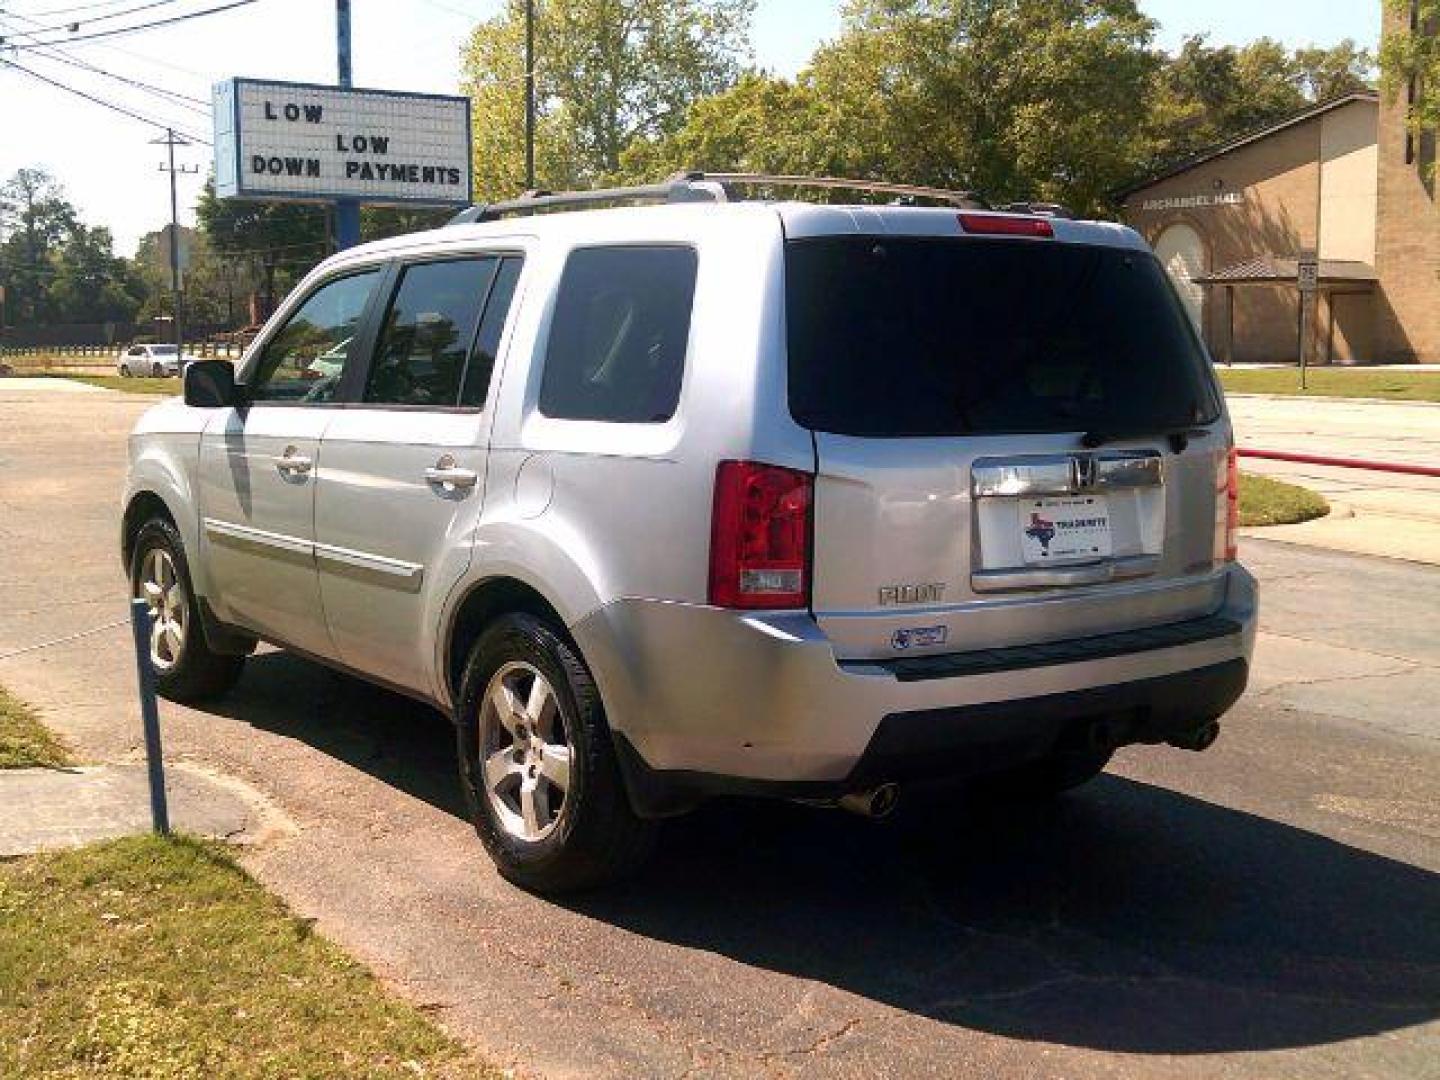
(1266, 908)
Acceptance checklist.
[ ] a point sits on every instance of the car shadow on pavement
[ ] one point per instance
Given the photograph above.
(395, 739)
(1123, 917)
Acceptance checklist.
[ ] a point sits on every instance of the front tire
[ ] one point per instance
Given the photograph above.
(538, 765)
(125, 371)
(185, 667)
(158, 371)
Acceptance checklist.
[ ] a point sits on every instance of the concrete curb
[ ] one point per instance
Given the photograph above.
(1326, 397)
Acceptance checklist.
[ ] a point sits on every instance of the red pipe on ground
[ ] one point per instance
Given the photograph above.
(1344, 463)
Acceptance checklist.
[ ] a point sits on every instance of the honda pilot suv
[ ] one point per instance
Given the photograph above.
(663, 502)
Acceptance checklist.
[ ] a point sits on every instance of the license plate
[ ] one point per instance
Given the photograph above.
(1075, 529)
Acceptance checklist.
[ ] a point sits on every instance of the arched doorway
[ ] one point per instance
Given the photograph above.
(1182, 253)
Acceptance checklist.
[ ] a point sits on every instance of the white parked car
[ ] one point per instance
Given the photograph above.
(156, 361)
(666, 502)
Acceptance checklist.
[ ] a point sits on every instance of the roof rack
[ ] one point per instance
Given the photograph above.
(685, 187)
(1040, 209)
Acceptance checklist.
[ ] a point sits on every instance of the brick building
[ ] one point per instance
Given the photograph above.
(1343, 180)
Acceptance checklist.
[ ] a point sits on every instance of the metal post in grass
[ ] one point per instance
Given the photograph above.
(142, 621)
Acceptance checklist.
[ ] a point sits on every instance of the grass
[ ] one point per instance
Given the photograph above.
(134, 385)
(25, 743)
(1386, 385)
(160, 958)
(1264, 501)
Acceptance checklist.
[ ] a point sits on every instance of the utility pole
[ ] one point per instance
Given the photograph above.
(177, 295)
(529, 95)
(347, 211)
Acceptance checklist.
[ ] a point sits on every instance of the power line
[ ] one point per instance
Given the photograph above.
(100, 101)
(74, 23)
(77, 7)
(153, 60)
(184, 101)
(139, 27)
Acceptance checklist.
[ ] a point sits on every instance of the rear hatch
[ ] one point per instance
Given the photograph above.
(1017, 441)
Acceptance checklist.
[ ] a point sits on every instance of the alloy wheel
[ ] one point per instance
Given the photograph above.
(160, 587)
(525, 751)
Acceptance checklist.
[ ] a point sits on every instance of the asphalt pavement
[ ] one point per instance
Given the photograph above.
(1270, 907)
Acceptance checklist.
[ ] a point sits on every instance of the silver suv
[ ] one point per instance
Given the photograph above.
(714, 497)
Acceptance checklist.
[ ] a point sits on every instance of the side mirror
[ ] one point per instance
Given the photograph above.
(210, 384)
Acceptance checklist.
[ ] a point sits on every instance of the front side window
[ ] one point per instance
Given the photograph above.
(428, 331)
(304, 361)
(619, 334)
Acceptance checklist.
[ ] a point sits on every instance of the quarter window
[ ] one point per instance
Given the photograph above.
(428, 331)
(619, 333)
(304, 361)
(487, 343)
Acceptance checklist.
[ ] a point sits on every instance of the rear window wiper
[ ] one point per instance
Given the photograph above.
(1178, 436)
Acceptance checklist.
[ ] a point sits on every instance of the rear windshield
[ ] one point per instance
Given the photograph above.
(164, 350)
(911, 336)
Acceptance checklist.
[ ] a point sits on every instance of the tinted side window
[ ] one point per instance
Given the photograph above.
(617, 342)
(304, 361)
(492, 325)
(427, 332)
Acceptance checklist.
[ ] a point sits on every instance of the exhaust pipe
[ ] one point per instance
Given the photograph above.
(874, 803)
(1202, 738)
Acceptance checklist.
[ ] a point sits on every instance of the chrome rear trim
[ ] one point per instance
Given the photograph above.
(1046, 577)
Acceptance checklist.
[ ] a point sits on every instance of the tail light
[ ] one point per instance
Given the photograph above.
(1227, 506)
(760, 537)
(1006, 225)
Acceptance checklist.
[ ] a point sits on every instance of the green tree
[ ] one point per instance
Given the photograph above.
(276, 242)
(608, 72)
(1016, 99)
(35, 219)
(1410, 65)
(90, 284)
(1205, 94)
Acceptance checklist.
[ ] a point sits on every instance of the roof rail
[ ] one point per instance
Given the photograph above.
(966, 200)
(685, 187)
(1040, 209)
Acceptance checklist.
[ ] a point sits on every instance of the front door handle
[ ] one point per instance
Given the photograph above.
(447, 474)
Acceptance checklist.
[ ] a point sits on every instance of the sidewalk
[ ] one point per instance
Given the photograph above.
(1372, 512)
(57, 808)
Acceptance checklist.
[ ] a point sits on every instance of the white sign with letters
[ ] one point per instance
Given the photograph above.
(278, 140)
(1194, 202)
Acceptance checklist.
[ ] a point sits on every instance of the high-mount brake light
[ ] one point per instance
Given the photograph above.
(1006, 225)
(760, 536)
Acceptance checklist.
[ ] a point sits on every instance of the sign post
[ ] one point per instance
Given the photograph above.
(1308, 280)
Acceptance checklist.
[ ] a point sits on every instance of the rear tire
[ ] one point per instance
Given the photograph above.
(158, 371)
(543, 836)
(125, 370)
(186, 668)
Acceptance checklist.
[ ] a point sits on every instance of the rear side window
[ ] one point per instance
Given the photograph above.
(910, 336)
(619, 333)
(427, 333)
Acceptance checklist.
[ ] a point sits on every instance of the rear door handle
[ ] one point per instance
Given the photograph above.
(293, 463)
(446, 473)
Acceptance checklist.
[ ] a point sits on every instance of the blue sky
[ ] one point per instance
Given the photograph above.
(110, 171)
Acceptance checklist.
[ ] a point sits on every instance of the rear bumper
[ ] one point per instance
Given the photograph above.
(705, 701)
